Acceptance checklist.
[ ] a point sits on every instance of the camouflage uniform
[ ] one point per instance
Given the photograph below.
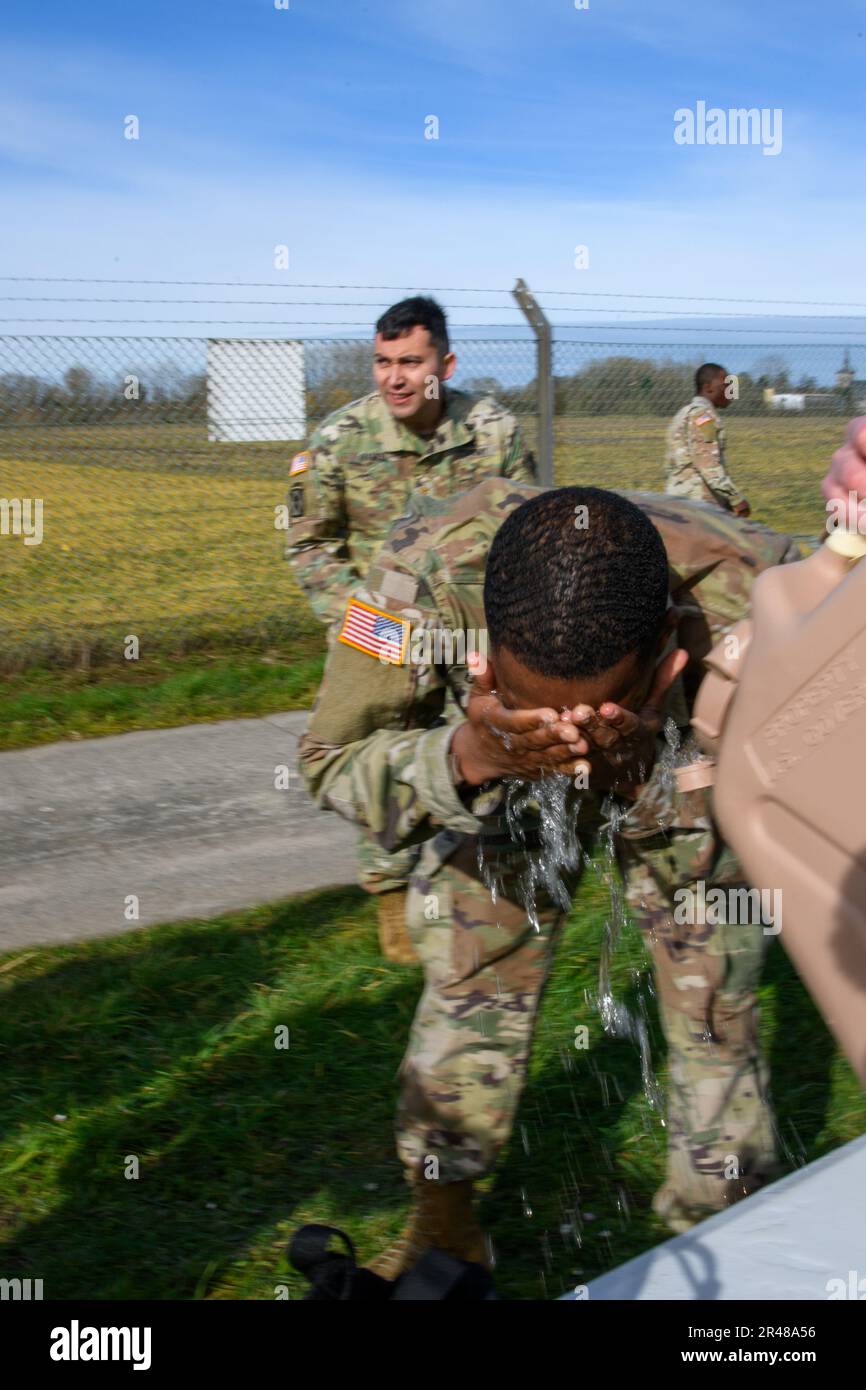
(359, 470)
(377, 751)
(350, 484)
(695, 462)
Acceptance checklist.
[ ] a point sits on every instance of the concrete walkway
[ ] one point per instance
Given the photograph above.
(186, 819)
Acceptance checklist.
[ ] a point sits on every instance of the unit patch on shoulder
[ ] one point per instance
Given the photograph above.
(391, 584)
(375, 632)
(300, 464)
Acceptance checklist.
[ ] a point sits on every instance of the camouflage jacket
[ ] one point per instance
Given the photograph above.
(376, 746)
(695, 462)
(359, 469)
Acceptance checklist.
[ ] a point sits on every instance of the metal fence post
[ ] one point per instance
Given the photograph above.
(544, 379)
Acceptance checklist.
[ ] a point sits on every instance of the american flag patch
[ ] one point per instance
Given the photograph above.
(299, 464)
(375, 632)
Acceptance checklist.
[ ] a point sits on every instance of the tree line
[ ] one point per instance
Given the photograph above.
(340, 372)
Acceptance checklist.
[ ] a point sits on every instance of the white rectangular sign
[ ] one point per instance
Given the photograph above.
(255, 389)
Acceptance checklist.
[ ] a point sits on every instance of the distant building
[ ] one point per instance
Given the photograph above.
(847, 397)
(805, 402)
(852, 389)
(785, 400)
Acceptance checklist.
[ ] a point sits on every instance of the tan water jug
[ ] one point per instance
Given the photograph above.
(783, 711)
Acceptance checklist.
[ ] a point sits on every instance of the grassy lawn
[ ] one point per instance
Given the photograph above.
(184, 553)
(43, 705)
(777, 462)
(156, 533)
(159, 1046)
(183, 561)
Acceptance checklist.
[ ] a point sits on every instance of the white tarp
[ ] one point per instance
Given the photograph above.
(803, 1237)
(255, 389)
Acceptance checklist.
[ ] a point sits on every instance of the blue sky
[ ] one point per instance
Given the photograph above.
(305, 127)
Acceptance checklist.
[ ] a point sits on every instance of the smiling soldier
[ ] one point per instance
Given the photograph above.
(361, 466)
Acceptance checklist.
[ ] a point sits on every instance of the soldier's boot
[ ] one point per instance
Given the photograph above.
(394, 940)
(442, 1216)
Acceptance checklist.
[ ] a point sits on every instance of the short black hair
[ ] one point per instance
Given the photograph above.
(570, 599)
(418, 312)
(706, 373)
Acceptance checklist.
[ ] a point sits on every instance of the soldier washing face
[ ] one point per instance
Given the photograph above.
(605, 730)
(596, 638)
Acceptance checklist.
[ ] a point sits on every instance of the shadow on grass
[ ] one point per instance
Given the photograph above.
(160, 1047)
(571, 1199)
(801, 1061)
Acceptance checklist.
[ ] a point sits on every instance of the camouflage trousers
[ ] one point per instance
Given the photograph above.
(485, 967)
(693, 487)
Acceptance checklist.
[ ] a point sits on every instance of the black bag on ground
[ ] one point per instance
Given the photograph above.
(335, 1277)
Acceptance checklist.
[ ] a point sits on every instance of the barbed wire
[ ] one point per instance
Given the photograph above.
(359, 304)
(436, 289)
(462, 342)
(365, 323)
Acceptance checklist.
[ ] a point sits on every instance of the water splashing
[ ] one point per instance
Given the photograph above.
(551, 806)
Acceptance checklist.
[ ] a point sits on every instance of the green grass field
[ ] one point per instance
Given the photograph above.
(159, 1046)
(154, 532)
(185, 554)
(42, 705)
(778, 462)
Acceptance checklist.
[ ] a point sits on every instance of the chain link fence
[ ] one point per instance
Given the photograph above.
(139, 476)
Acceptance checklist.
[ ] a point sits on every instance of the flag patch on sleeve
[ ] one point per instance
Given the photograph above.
(300, 464)
(703, 419)
(371, 630)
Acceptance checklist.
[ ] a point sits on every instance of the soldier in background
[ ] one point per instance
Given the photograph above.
(590, 662)
(412, 434)
(695, 462)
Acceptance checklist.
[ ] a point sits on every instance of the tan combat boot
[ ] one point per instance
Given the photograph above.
(441, 1215)
(394, 940)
